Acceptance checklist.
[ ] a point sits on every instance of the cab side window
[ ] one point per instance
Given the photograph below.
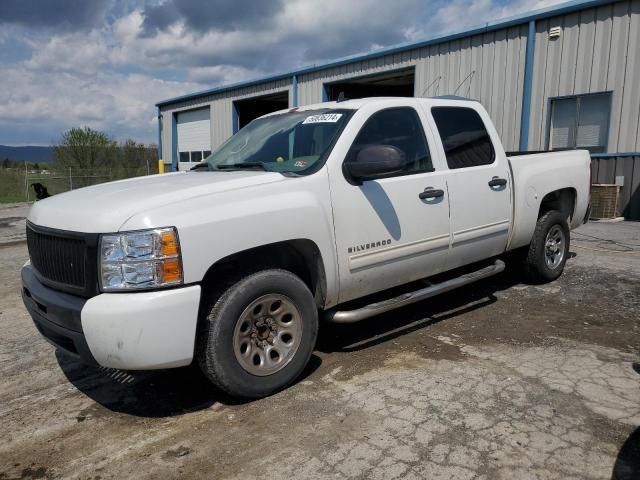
(464, 137)
(400, 127)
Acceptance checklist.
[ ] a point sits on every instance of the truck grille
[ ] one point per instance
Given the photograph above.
(58, 257)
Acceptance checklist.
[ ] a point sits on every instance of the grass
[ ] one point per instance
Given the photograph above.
(12, 187)
(12, 181)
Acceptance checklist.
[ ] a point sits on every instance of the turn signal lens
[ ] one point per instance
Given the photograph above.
(171, 271)
(169, 243)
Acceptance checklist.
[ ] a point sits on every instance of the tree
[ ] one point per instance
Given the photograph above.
(91, 156)
(136, 158)
(132, 154)
(85, 149)
(6, 163)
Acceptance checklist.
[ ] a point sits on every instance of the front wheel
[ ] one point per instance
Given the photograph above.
(549, 248)
(258, 336)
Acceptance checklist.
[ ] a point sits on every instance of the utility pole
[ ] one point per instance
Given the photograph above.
(26, 182)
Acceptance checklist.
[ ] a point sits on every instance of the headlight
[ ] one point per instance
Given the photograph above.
(140, 260)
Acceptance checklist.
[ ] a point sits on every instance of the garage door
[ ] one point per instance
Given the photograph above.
(194, 137)
(397, 83)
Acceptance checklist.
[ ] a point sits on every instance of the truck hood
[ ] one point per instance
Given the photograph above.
(106, 207)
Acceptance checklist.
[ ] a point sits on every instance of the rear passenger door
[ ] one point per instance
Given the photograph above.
(478, 181)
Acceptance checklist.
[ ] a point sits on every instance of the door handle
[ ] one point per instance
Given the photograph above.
(430, 193)
(497, 182)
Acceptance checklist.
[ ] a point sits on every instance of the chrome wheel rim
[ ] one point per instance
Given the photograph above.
(554, 247)
(267, 334)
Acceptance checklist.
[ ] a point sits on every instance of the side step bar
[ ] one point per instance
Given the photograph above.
(351, 316)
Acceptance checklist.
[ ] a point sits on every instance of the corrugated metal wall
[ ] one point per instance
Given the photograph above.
(487, 67)
(310, 85)
(596, 52)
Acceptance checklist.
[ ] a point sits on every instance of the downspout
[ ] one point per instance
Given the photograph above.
(294, 86)
(174, 143)
(527, 87)
(160, 161)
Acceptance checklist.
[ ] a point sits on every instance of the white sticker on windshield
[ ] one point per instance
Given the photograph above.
(323, 118)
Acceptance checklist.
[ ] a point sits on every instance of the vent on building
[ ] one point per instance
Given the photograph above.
(554, 33)
(604, 201)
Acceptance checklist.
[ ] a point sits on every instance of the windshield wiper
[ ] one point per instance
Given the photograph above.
(201, 166)
(242, 166)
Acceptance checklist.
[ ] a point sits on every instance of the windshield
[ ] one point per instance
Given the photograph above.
(292, 142)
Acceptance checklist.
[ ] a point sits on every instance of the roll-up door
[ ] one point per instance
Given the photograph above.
(194, 137)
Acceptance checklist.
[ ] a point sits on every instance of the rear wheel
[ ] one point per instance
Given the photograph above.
(257, 337)
(547, 253)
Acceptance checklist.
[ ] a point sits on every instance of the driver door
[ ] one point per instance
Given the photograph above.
(387, 233)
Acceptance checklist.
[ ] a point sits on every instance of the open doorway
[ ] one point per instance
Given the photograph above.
(251, 108)
(399, 83)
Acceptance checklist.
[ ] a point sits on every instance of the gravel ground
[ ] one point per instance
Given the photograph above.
(12, 223)
(495, 380)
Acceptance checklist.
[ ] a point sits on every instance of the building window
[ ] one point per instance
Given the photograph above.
(581, 121)
(464, 137)
(194, 157)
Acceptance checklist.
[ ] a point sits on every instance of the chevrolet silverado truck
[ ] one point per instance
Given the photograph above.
(305, 215)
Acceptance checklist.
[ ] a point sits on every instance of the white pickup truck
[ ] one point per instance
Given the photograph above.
(297, 214)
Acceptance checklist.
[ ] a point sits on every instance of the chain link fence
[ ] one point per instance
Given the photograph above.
(22, 185)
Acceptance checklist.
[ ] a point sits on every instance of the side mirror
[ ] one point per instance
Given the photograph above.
(375, 161)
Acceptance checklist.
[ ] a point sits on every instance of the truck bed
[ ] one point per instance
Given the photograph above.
(537, 174)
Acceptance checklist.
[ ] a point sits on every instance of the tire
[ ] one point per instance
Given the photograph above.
(542, 264)
(270, 316)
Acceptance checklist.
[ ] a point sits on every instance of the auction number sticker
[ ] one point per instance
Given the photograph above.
(323, 118)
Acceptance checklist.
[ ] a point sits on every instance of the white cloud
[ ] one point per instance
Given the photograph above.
(126, 28)
(72, 52)
(121, 104)
(109, 76)
(301, 33)
(223, 74)
(457, 14)
(304, 31)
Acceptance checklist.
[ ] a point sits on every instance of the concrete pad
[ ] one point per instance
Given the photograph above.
(497, 380)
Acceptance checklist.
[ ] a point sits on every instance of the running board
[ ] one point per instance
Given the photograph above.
(351, 316)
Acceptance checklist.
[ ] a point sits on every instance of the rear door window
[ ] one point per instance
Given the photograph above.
(464, 137)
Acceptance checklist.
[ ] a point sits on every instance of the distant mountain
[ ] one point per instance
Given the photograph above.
(26, 154)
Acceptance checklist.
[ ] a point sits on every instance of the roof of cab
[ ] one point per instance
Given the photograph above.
(357, 103)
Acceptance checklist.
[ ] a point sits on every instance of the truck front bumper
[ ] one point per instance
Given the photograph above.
(128, 331)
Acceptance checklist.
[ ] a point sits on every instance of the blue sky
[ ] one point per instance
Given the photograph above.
(105, 63)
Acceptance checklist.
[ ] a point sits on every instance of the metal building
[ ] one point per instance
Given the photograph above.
(562, 77)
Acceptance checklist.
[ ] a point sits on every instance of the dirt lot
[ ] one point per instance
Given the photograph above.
(497, 380)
